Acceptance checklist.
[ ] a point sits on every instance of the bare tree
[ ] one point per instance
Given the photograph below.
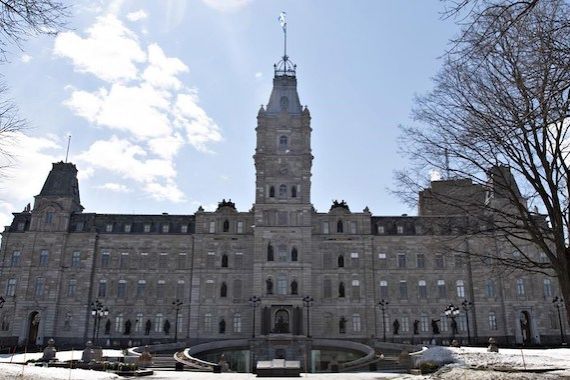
(18, 21)
(500, 117)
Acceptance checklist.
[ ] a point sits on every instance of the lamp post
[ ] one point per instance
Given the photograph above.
(383, 305)
(466, 305)
(452, 312)
(558, 302)
(307, 300)
(176, 303)
(98, 311)
(254, 301)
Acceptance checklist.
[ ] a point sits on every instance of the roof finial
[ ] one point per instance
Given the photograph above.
(284, 67)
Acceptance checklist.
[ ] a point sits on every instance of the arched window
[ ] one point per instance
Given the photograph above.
(226, 226)
(282, 191)
(224, 290)
(222, 326)
(294, 288)
(270, 255)
(272, 192)
(294, 254)
(341, 292)
(283, 142)
(224, 261)
(342, 325)
(269, 286)
(340, 261)
(293, 191)
(339, 227)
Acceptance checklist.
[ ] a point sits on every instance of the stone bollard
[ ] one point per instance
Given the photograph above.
(88, 353)
(455, 343)
(492, 345)
(49, 351)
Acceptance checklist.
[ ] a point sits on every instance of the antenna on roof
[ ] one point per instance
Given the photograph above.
(68, 143)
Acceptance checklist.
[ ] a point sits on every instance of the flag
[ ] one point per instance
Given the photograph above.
(282, 20)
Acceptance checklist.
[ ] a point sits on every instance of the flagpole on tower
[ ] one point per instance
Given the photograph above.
(283, 22)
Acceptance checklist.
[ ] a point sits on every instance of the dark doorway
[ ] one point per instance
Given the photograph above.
(281, 325)
(525, 327)
(33, 327)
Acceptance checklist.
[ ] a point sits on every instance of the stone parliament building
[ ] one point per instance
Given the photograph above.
(191, 277)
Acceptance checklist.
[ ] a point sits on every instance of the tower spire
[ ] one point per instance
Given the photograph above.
(284, 67)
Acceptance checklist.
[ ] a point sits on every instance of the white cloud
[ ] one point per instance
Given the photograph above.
(110, 50)
(136, 16)
(258, 75)
(116, 187)
(25, 58)
(145, 100)
(226, 5)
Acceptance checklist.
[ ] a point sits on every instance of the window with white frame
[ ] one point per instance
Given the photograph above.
(212, 228)
(355, 289)
(76, 259)
(119, 323)
(71, 287)
(208, 322)
(381, 230)
(401, 260)
(146, 227)
(39, 287)
(462, 322)
(405, 323)
(422, 289)
(16, 258)
(11, 287)
(489, 288)
(124, 260)
(184, 228)
(356, 323)
(127, 228)
(139, 322)
(383, 262)
(122, 289)
(399, 230)
(158, 322)
(102, 291)
(325, 227)
(44, 257)
(281, 284)
(547, 287)
(109, 227)
(441, 290)
(424, 323)
(492, 321)
(180, 289)
(239, 228)
(444, 323)
(160, 289)
(460, 286)
(165, 228)
(520, 287)
(237, 322)
(403, 290)
(352, 227)
(141, 286)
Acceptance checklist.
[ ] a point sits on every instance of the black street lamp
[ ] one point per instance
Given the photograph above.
(383, 305)
(558, 302)
(452, 312)
(307, 300)
(176, 303)
(98, 311)
(466, 305)
(254, 301)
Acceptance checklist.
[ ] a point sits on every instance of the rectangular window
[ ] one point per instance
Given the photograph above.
(352, 227)
(240, 227)
(39, 288)
(383, 264)
(441, 290)
(384, 290)
(489, 288)
(102, 292)
(122, 289)
(444, 323)
(403, 290)
(139, 322)
(163, 260)
(21, 226)
(492, 321)
(184, 228)
(158, 323)
(355, 289)
(421, 260)
(237, 323)
(160, 289)
(326, 228)
(238, 260)
(49, 217)
(327, 288)
(79, 226)
(459, 262)
(71, 287)
(146, 227)
(11, 287)
(124, 260)
(400, 230)
(460, 289)
(141, 286)
(356, 324)
(439, 264)
(181, 261)
(144, 261)
(422, 289)
(281, 285)
(15, 261)
(76, 259)
(109, 227)
(165, 228)
(212, 227)
(127, 228)
(44, 257)
(547, 288)
(424, 323)
(462, 322)
(354, 261)
(381, 230)
(520, 287)
(105, 259)
(405, 325)
(401, 260)
(180, 289)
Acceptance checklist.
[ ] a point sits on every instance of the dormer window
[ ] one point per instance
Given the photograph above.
(49, 217)
(400, 230)
(109, 227)
(127, 228)
(146, 227)
(165, 228)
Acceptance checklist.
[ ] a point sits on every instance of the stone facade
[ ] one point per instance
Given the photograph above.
(57, 260)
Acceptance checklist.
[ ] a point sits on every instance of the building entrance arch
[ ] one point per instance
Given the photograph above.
(281, 322)
(33, 327)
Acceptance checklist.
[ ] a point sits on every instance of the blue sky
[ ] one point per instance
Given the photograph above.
(161, 98)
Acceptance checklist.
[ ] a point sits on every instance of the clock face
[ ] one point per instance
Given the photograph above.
(284, 102)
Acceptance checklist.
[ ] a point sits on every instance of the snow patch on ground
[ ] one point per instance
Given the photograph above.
(60, 355)
(15, 371)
